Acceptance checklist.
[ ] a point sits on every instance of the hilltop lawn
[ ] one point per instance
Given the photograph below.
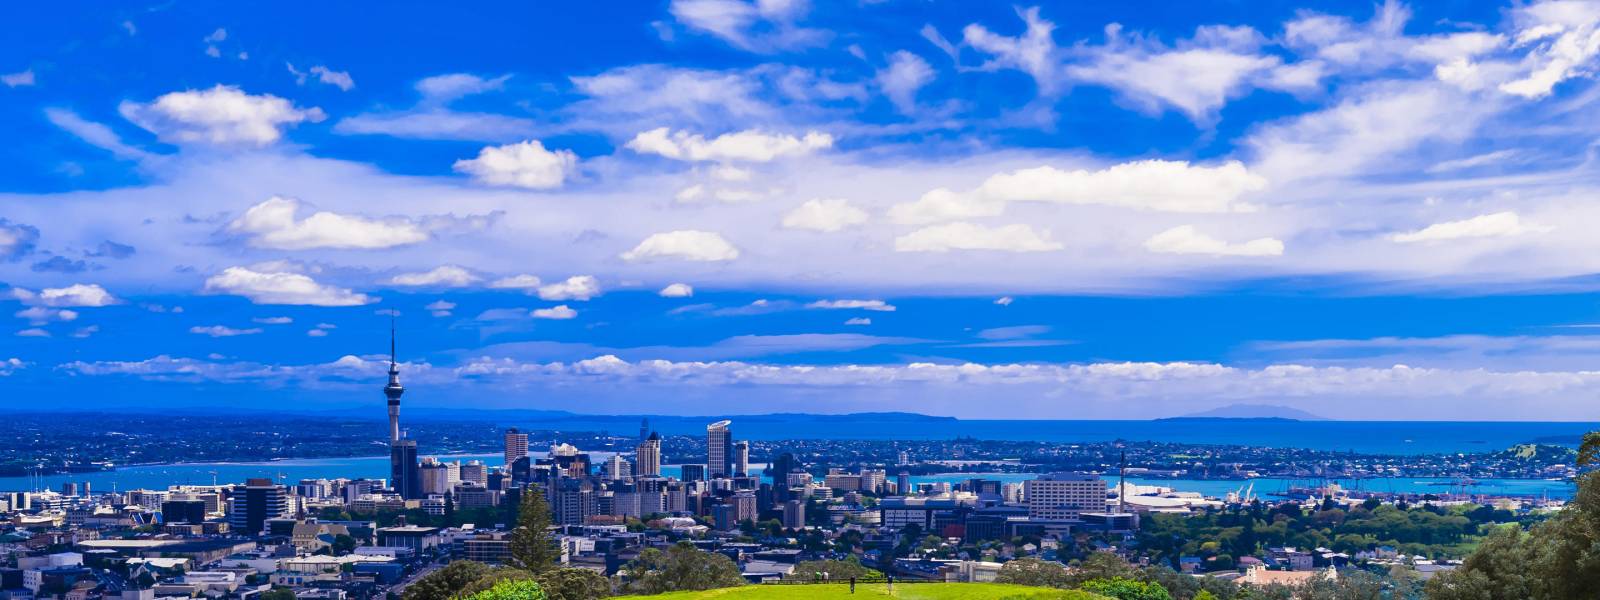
(913, 591)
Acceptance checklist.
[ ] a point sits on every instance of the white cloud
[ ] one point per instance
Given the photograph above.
(676, 290)
(18, 79)
(273, 320)
(39, 315)
(902, 78)
(272, 224)
(442, 276)
(316, 333)
(86, 331)
(749, 145)
(1186, 239)
(1171, 186)
(222, 331)
(690, 245)
(75, 295)
(577, 287)
(858, 321)
(452, 86)
(1004, 300)
(560, 312)
(524, 164)
(33, 332)
(338, 79)
(440, 308)
(875, 305)
(222, 115)
(1562, 39)
(95, 134)
(516, 282)
(281, 288)
(825, 215)
(1197, 77)
(753, 25)
(962, 235)
(1500, 224)
(1034, 52)
(16, 239)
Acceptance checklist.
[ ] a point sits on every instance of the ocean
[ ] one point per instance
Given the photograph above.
(377, 467)
(1367, 437)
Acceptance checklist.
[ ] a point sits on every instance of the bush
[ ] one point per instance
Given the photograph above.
(1126, 589)
(573, 584)
(511, 589)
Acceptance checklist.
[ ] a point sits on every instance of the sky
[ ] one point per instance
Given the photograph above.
(986, 210)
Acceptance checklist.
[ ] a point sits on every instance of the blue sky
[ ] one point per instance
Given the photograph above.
(1066, 210)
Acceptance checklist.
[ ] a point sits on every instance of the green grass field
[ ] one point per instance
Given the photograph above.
(913, 591)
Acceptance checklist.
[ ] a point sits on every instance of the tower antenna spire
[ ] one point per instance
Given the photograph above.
(391, 341)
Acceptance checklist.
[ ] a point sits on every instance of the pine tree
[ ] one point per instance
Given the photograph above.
(532, 548)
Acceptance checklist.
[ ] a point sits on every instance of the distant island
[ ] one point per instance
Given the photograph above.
(1253, 411)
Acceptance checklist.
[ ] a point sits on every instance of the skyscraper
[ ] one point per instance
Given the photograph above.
(405, 473)
(648, 458)
(741, 458)
(719, 449)
(644, 429)
(254, 502)
(516, 446)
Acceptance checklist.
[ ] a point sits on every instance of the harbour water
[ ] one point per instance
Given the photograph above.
(377, 467)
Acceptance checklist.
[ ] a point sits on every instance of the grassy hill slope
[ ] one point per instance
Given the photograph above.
(913, 591)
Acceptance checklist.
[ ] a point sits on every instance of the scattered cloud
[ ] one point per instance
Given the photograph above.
(440, 308)
(338, 79)
(40, 315)
(858, 321)
(281, 287)
(273, 224)
(1186, 239)
(970, 236)
(825, 215)
(577, 287)
(524, 164)
(23, 78)
(273, 320)
(1161, 185)
(904, 76)
(1500, 224)
(689, 245)
(875, 305)
(676, 290)
(222, 115)
(442, 276)
(16, 239)
(560, 312)
(222, 331)
(752, 25)
(749, 145)
(75, 295)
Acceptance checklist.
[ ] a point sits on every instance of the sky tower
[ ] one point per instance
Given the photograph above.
(394, 390)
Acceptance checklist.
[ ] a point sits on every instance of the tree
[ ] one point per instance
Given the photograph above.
(511, 589)
(681, 568)
(277, 594)
(448, 582)
(1102, 565)
(532, 548)
(1034, 572)
(1126, 589)
(1558, 559)
(343, 544)
(573, 584)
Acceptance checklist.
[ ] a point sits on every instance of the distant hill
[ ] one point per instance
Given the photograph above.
(1254, 411)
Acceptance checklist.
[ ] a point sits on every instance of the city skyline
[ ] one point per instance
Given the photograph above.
(1372, 212)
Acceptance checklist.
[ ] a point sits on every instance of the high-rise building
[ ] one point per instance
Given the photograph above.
(719, 449)
(405, 474)
(644, 430)
(183, 511)
(476, 473)
(617, 467)
(1064, 496)
(516, 445)
(435, 477)
(647, 460)
(741, 458)
(794, 514)
(253, 503)
(694, 472)
(902, 484)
